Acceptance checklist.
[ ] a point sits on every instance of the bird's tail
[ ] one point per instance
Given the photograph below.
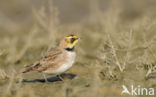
(27, 69)
(30, 67)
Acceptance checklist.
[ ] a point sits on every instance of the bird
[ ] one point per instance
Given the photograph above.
(57, 60)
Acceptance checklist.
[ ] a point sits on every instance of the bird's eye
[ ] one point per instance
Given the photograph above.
(72, 40)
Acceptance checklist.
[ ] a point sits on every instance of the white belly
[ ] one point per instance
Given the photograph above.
(64, 67)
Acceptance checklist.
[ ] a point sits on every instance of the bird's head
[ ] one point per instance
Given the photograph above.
(69, 41)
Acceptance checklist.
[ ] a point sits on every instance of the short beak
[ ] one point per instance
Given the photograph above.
(77, 38)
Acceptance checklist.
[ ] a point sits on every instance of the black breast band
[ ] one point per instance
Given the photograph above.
(69, 49)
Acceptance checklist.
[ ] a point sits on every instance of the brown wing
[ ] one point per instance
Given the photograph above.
(47, 61)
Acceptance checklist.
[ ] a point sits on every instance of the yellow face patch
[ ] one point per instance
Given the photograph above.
(71, 41)
(72, 36)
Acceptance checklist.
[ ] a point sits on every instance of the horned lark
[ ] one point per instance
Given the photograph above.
(57, 60)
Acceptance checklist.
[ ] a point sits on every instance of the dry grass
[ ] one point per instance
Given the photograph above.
(114, 49)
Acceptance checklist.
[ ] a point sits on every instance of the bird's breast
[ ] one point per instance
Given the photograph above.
(70, 58)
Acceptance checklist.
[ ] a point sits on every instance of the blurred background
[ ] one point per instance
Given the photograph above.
(117, 44)
(19, 15)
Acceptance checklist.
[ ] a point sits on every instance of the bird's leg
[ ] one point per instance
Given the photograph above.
(46, 80)
(60, 77)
